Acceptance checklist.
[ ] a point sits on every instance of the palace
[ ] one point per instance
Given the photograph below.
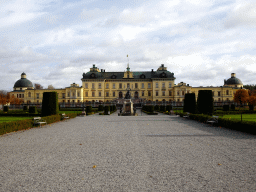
(101, 86)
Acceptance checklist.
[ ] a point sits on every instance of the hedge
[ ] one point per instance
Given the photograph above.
(148, 108)
(32, 109)
(100, 108)
(205, 102)
(6, 109)
(7, 127)
(189, 103)
(50, 104)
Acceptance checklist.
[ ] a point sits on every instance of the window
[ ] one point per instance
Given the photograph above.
(218, 93)
(170, 93)
(29, 94)
(93, 85)
(93, 94)
(178, 100)
(213, 93)
(99, 93)
(156, 93)
(163, 93)
(163, 85)
(183, 92)
(188, 91)
(219, 100)
(227, 99)
(114, 94)
(128, 85)
(149, 93)
(37, 101)
(86, 85)
(78, 94)
(68, 94)
(78, 101)
(107, 86)
(156, 85)
(99, 85)
(142, 94)
(142, 85)
(63, 95)
(149, 85)
(86, 94)
(120, 85)
(136, 85)
(178, 93)
(37, 95)
(227, 92)
(74, 94)
(107, 94)
(114, 85)
(170, 85)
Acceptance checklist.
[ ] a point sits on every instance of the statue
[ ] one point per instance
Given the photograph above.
(127, 95)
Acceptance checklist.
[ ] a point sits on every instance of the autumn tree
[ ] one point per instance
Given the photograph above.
(50, 87)
(241, 96)
(252, 101)
(38, 86)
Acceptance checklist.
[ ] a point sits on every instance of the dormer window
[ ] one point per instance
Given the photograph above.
(92, 75)
(142, 76)
(163, 75)
(113, 77)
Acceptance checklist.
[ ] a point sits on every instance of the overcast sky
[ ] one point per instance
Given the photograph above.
(54, 41)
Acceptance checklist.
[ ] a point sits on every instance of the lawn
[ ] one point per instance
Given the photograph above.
(246, 117)
(8, 119)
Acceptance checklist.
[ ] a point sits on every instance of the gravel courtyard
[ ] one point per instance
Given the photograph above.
(143, 153)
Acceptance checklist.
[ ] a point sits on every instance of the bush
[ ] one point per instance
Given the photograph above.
(106, 110)
(162, 108)
(156, 107)
(148, 108)
(25, 108)
(100, 108)
(205, 102)
(32, 109)
(50, 104)
(233, 107)
(88, 109)
(190, 103)
(168, 108)
(6, 109)
(225, 107)
(251, 107)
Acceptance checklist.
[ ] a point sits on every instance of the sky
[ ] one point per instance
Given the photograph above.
(55, 41)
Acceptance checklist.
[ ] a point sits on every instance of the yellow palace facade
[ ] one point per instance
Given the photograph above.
(101, 86)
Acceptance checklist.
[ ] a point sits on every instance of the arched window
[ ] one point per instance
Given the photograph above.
(29, 94)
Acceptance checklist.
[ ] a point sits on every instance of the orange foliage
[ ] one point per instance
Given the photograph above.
(241, 96)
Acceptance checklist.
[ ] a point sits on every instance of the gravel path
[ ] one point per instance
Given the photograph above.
(143, 153)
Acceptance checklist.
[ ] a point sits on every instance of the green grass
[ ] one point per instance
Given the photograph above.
(9, 119)
(245, 117)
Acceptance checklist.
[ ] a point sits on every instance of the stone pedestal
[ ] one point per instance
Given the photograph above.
(127, 107)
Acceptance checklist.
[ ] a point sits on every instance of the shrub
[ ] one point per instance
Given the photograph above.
(251, 107)
(50, 104)
(225, 107)
(168, 108)
(190, 103)
(162, 108)
(6, 108)
(88, 109)
(148, 108)
(156, 107)
(25, 108)
(106, 110)
(233, 107)
(100, 108)
(205, 102)
(32, 109)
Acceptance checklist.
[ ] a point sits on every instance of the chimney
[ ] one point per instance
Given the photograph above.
(101, 70)
(104, 70)
(233, 75)
(152, 70)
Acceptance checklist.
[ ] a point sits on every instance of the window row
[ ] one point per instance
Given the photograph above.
(123, 85)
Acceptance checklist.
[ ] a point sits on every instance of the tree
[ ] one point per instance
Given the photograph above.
(50, 87)
(7, 98)
(38, 86)
(241, 96)
(205, 102)
(50, 104)
(252, 101)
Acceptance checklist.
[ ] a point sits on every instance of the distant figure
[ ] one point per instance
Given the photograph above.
(127, 95)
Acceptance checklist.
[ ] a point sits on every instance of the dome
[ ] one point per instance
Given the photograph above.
(23, 82)
(233, 80)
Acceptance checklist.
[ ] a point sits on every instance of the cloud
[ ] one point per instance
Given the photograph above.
(243, 14)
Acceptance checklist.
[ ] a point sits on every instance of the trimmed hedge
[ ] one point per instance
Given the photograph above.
(168, 108)
(88, 109)
(106, 110)
(6, 109)
(100, 108)
(225, 107)
(156, 107)
(190, 103)
(148, 108)
(7, 127)
(25, 108)
(162, 108)
(205, 102)
(32, 109)
(50, 104)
